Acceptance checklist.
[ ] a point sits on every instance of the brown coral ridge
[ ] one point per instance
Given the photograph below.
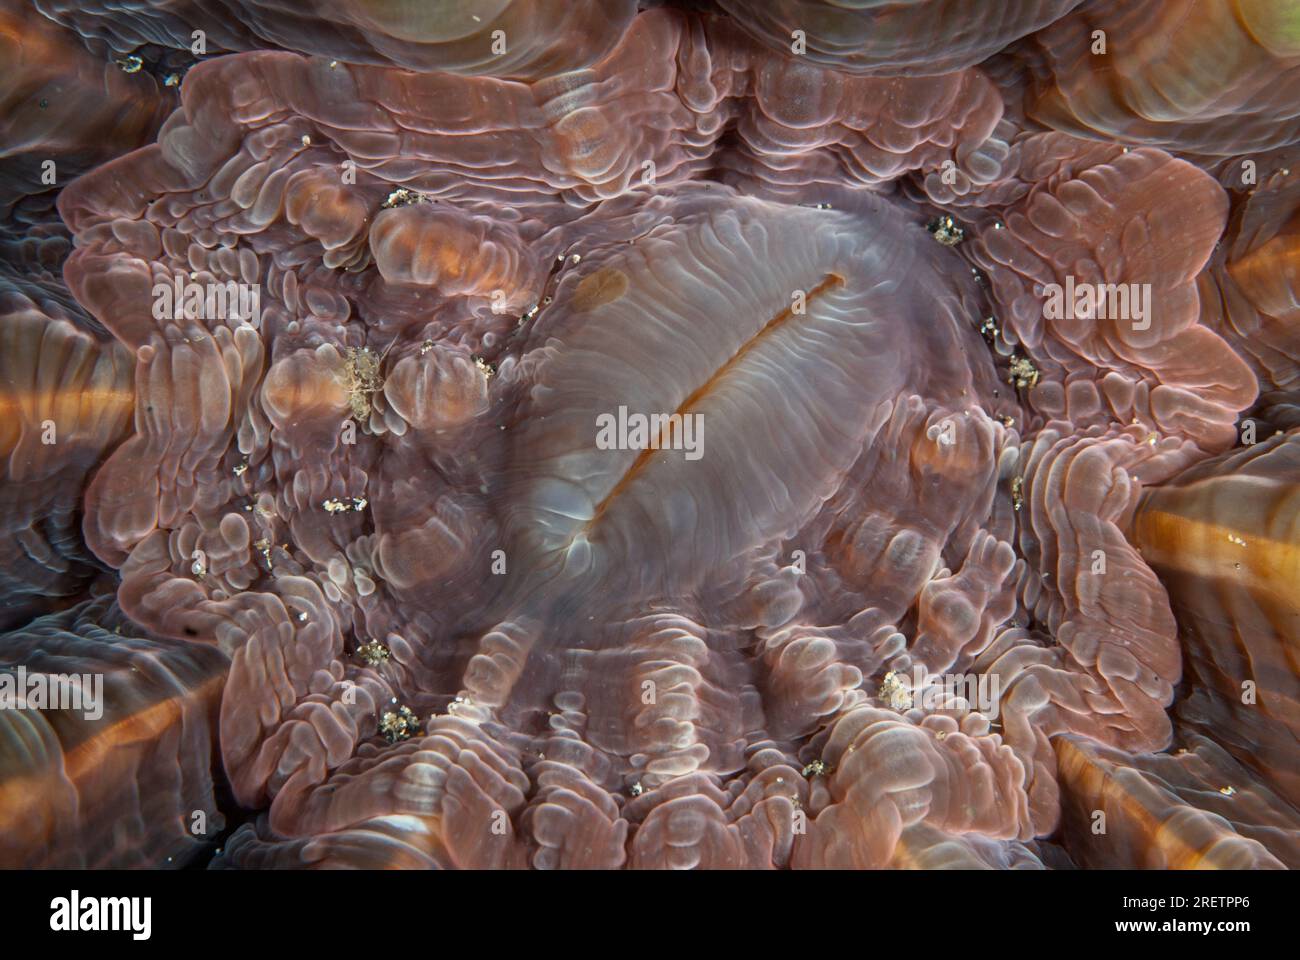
(909, 574)
(1223, 536)
(135, 736)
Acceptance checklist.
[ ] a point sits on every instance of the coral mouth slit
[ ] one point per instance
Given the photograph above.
(827, 283)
